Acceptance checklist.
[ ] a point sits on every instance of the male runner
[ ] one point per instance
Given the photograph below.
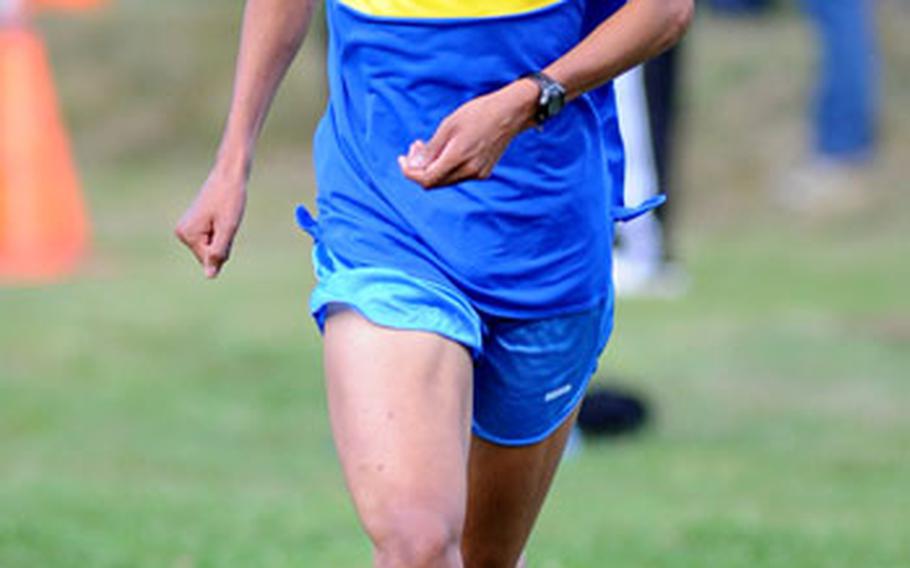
(461, 287)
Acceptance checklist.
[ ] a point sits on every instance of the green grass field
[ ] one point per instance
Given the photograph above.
(151, 419)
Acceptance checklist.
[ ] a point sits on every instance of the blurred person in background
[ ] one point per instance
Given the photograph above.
(740, 7)
(485, 301)
(647, 100)
(845, 105)
(643, 264)
(845, 110)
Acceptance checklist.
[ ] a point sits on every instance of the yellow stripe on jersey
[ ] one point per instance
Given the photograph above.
(446, 8)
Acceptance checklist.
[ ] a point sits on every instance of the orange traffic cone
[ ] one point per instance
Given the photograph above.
(67, 4)
(43, 224)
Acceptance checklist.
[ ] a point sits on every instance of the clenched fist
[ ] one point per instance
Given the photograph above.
(209, 225)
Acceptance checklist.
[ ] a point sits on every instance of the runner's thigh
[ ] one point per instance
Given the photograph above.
(400, 407)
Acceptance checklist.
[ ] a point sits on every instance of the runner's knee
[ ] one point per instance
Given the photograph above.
(414, 537)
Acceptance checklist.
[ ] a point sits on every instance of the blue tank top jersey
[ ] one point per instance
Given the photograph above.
(531, 241)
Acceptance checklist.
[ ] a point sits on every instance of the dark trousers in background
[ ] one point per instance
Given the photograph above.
(662, 88)
(846, 98)
(845, 105)
(741, 6)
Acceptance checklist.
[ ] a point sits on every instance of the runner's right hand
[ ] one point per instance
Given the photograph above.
(209, 225)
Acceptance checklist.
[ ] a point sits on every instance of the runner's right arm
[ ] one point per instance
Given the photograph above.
(272, 33)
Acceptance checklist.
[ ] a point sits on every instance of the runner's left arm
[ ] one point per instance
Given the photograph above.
(470, 141)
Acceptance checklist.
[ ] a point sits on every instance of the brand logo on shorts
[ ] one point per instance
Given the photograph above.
(554, 394)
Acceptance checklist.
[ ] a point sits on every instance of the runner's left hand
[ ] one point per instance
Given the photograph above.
(471, 140)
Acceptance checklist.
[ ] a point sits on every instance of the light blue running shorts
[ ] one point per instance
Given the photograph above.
(529, 374)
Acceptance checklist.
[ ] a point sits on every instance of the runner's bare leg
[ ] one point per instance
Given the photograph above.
(400, 406)
(506, 490)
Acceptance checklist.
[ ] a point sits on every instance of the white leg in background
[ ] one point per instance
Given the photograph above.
(640, 252)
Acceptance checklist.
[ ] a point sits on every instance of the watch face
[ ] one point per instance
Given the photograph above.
(555, 100)
(555, 105)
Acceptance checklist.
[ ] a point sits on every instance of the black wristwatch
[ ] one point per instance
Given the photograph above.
(552, 96)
